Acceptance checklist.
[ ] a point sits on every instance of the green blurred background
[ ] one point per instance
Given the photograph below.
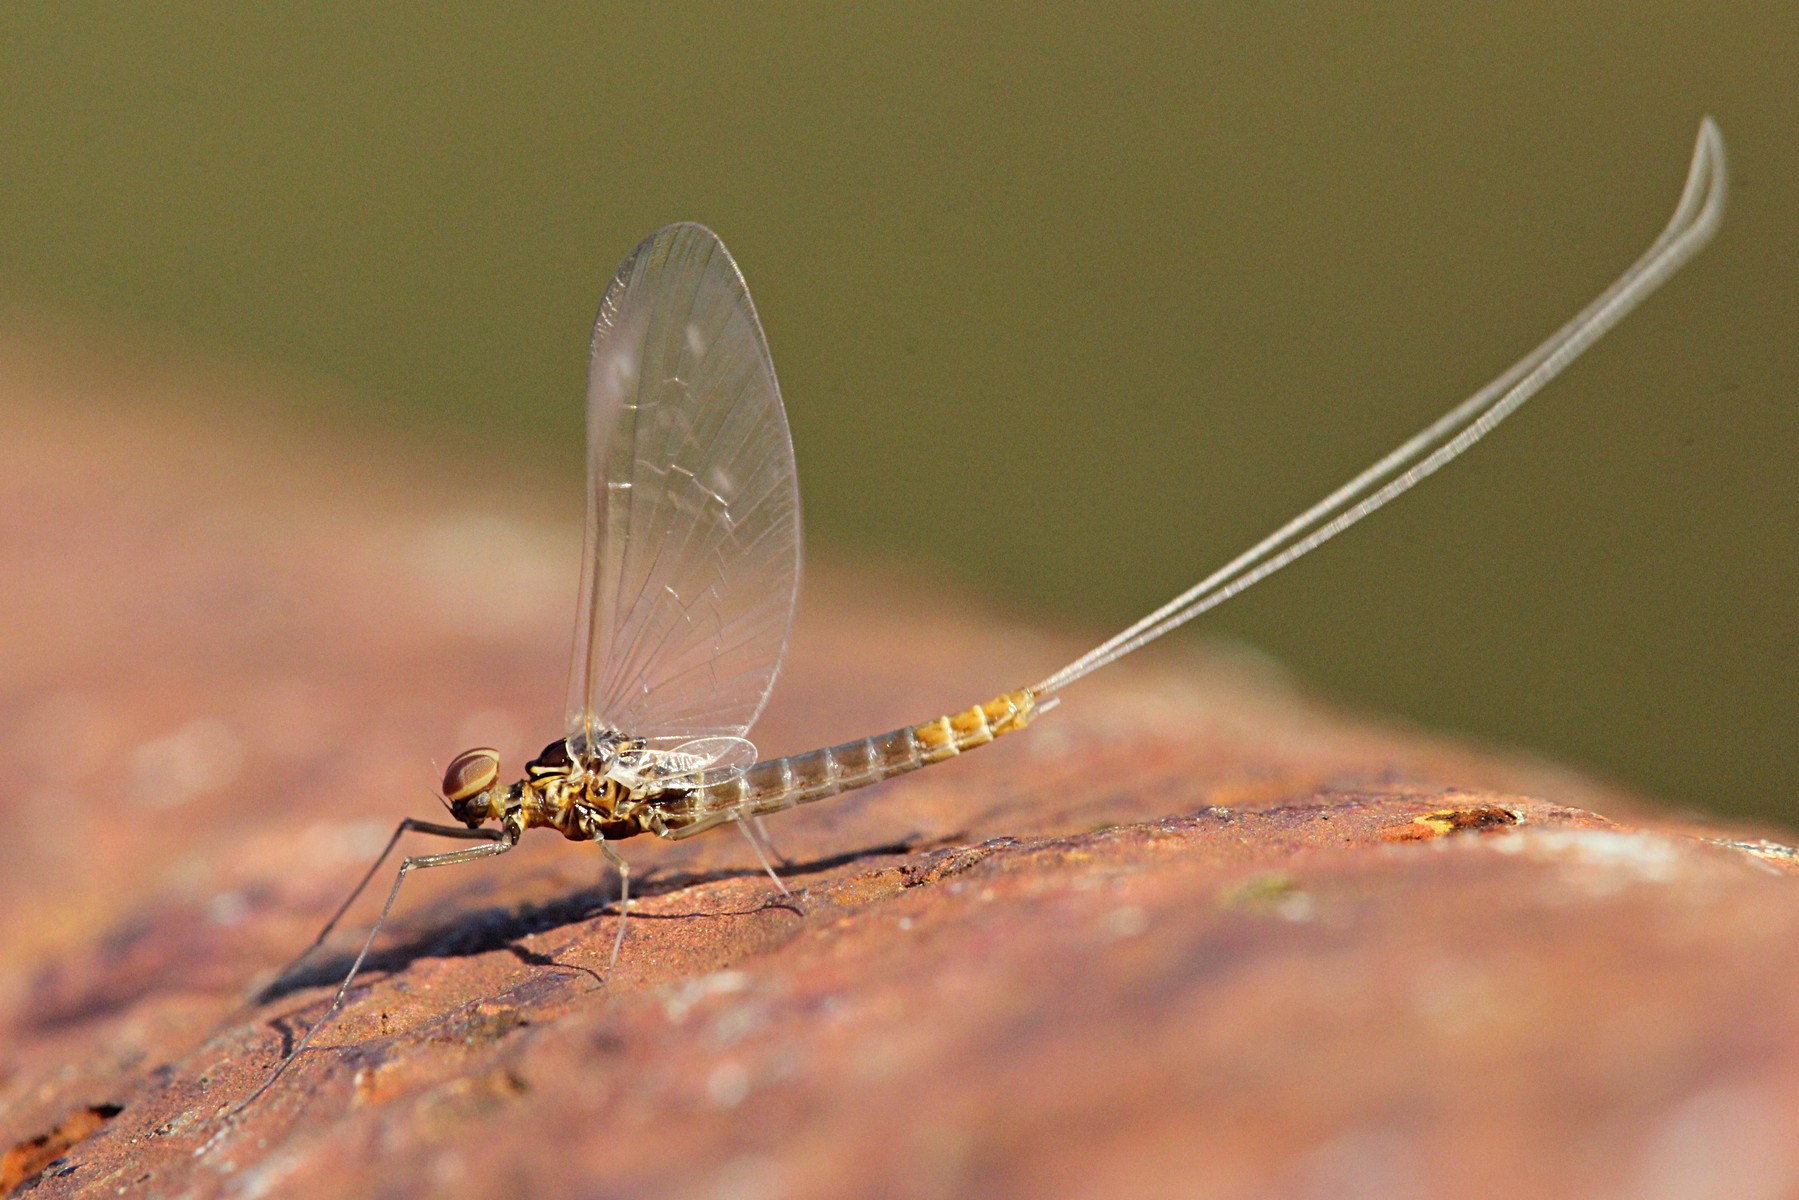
(1072, 302)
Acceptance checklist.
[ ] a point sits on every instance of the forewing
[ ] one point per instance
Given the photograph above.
(692, 561)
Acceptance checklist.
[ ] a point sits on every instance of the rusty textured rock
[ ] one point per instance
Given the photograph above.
(1191, 935)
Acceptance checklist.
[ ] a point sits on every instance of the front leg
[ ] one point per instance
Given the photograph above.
(409, 825)
(507, 839)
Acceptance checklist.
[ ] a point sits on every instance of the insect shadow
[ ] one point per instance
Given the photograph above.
(469, 932)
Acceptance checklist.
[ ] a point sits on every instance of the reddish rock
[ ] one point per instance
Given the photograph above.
(1189, 935)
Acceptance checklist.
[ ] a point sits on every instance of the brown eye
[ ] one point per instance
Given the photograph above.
(471, 773)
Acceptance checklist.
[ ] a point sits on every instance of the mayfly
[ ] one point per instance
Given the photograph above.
(692, 564)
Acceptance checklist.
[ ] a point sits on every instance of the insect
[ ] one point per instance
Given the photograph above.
(692, 565)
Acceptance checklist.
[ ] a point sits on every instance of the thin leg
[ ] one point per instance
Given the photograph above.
(761, 857)
(624, 899)
(407, 826)
(761, 827)
(418, 862)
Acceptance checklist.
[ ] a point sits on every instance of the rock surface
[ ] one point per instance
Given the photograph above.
(1190, 935)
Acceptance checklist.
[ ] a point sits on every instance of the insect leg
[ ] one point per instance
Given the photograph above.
(624, 898)
(761, 827)
(761, 857)
(409, 825)
(414, 862)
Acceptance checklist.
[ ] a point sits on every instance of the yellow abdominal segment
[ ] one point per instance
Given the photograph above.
(948, 736)
(781, 783)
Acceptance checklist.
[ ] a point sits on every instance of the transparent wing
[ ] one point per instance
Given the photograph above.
(692, 561)
(713, 758)
(705, 754)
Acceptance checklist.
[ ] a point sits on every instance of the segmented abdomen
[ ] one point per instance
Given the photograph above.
(779, 783)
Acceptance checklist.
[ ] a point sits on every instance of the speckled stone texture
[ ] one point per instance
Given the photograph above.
(1190, 935)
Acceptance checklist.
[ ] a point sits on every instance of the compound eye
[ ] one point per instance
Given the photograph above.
(471, 773)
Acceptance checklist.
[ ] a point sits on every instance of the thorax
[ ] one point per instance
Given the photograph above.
(583, 801)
